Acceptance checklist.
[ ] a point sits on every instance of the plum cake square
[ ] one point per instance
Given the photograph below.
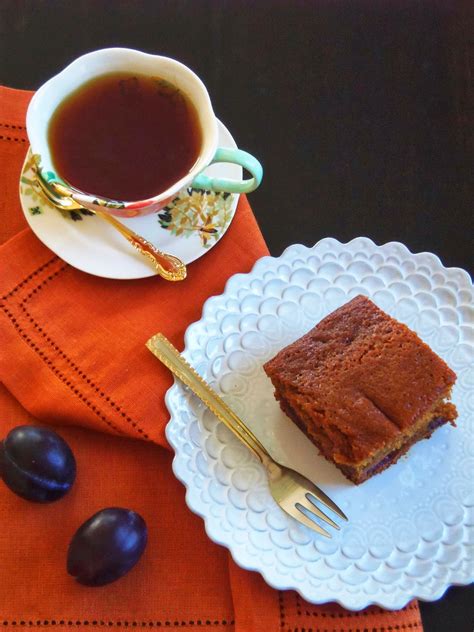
(363, 387)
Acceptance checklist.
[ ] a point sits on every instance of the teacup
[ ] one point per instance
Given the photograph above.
(87, 68)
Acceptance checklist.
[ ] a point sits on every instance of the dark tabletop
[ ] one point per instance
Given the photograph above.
(361, 113)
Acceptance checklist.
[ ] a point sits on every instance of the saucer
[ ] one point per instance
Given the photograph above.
(188, 227)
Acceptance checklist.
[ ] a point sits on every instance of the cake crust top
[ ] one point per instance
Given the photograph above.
(361, 374)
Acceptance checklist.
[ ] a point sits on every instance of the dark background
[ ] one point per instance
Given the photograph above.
(361, 112)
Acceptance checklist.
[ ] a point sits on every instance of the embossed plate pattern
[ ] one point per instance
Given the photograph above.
(410, 529)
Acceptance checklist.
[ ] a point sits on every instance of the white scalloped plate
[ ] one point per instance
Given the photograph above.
(410, 526)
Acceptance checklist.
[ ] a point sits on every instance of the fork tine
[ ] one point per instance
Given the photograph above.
(303, 518)
(330, 504)
(310, 505)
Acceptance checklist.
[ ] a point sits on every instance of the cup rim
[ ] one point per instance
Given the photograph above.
(37, 131)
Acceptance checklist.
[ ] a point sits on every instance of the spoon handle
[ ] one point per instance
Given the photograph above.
(168, 266)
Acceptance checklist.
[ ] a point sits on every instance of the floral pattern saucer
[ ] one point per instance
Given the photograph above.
(187, 227)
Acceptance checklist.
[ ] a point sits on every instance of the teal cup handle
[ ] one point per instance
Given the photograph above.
(238, 157)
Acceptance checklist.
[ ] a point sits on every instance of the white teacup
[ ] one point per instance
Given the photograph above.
(47, 99)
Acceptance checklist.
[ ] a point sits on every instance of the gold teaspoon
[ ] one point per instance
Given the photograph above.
(167, 266)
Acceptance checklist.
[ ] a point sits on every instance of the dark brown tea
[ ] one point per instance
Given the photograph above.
(125, 136)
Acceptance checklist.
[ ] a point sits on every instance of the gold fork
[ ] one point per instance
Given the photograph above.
(167, 266)
(291, 490)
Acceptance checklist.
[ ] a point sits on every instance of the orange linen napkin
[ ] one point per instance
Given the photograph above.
(73, 355)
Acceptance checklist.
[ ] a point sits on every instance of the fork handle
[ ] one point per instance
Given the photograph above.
(162, 348)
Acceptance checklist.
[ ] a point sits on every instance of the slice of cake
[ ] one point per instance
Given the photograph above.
(363, 387)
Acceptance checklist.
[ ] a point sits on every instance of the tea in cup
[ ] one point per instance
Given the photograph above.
(123, 131)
